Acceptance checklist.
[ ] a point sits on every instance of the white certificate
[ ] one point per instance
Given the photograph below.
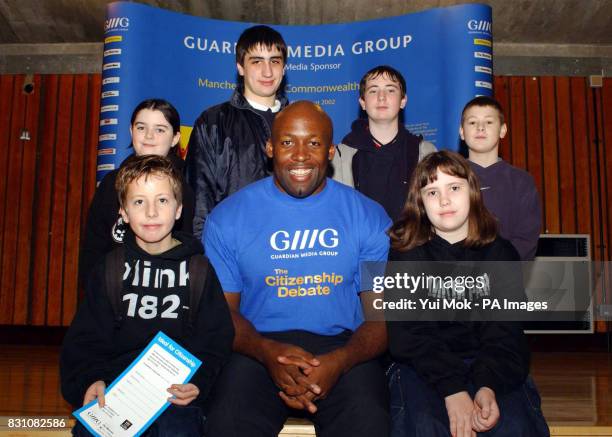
(139, 395)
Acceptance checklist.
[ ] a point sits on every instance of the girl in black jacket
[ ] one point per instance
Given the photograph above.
(155, 130)
(456, 378)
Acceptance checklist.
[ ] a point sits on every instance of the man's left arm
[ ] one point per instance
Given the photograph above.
(366, 343)
(369, 340)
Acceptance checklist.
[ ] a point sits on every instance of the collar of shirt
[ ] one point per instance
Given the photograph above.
(275, 108)
(379, 145)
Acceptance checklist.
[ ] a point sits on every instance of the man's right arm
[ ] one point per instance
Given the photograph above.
(247, 340)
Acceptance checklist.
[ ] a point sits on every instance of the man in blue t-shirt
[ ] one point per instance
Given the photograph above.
(288, 250)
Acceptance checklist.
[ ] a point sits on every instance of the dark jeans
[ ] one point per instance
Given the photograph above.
(175, 421)
(245, 401)
(417, 410)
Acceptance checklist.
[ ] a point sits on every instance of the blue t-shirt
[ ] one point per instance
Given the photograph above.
(296, 262)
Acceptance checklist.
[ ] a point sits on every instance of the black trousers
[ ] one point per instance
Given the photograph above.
(245, 400)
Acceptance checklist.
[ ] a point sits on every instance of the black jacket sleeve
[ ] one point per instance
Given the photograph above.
(87, 346)
(203, 170)
(102, 215)
(213, 335)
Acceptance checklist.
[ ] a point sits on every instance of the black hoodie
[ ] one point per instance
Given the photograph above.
(105, 228)
(382, 172)
(96, 347)
(440, 351)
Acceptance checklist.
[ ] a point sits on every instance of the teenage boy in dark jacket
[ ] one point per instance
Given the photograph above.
(155, 295)
(379, 154)
(227, 145)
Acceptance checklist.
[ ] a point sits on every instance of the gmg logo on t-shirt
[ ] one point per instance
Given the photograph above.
(304, 239)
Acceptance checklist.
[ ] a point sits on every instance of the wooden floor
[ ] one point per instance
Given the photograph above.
(576, 388)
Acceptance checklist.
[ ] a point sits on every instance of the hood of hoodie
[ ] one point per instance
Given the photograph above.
(189, 246)
(360, 137)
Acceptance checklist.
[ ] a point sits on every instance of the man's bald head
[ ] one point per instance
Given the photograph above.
(305, 109)
(301, 148)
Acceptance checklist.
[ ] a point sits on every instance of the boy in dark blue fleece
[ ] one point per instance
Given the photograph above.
(508, 192)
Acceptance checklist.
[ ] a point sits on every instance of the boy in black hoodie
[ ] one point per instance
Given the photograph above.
(379, 155)
(155, 295)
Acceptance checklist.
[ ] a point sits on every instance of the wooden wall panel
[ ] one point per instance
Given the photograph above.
(582, 166)
(604, 171)
(58, 206)
(595, 179)
(550, 153)
(26, 206)
(601, 122)
(44, 193)
(566, 156)
(75, 193)
(533, 123)
(6, 104)
(607, 161)
(11, 210)
(596, 210)
(516, 112)
(46, 183)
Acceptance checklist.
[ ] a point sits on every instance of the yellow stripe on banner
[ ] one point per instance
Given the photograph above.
(482, 42)
(185, 134)
(115, 38)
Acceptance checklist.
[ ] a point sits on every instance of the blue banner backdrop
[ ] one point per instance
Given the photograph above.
(445, 55)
